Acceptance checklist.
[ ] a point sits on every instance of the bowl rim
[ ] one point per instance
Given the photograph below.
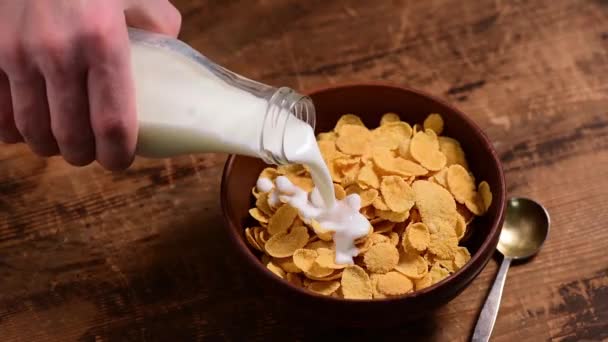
(495, 226)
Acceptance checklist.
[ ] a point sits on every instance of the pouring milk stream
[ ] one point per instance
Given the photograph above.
(187, 104)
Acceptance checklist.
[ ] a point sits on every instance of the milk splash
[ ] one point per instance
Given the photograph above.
(343, 217)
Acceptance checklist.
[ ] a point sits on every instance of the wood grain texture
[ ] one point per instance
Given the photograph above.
(140, 256)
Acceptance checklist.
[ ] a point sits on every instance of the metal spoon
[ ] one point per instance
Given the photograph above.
(525, 229)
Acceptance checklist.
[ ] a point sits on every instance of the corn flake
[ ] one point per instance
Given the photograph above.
(434, 122)
(486, 195)
(258, 215)
(394, 284)
(379, 204)
(367, 195)
(446, 264)
(438, 273)
(393, 216)
(475, 204)
(270, 173)
(381, 257)
(350, 173)
(329, 151)
(276, 270)
(404, 150)
(386, 162)
(286, 264)
(364, 245)
(285, 244)
(353, 139)
(294, 279)
(461, 227)
(356, 283)
(261, 236)
(255, 192)
(314, 245)
(304, 258)
(435, 204)
(412, 265)
(417, 237)
(250, 237)
(333, 275)
(322, 233)
(282, 219)
(390, 135)
(327, 136)
(461, 257)
(304, 183)
(317, 272)
(368, 178)
(424, 147)
(327, 258)
(397, 194)
(440, 177)
(374, 280)
(423, 282)
(461, 184)
(388, 118)
(453, 152)
(262, 204)
(323, 287)
(348, 119)
(291, 169)
(443, 247)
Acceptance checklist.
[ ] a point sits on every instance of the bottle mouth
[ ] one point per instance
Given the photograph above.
(284, 105)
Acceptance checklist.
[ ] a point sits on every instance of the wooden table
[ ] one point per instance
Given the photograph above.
(141, 255)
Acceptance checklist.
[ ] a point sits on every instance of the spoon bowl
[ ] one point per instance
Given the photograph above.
(525, 229)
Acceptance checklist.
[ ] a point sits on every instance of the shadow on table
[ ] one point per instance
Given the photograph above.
(422, 329)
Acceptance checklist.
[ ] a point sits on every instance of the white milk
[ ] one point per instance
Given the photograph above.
(184, 108)
(343, 218)
(301, 147)
(186, 104)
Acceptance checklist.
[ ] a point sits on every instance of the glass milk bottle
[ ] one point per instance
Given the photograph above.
(188, 104)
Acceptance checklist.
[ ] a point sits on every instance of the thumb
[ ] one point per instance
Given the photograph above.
(158, 16)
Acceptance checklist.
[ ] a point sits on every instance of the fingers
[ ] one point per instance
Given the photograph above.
(8, 131)
(65, 83)
(111, 96)
(154, 15)
(31, 113)
(70, 123)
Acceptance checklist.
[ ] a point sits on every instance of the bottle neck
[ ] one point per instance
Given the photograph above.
(286, 109)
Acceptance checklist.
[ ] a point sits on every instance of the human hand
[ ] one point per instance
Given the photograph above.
(65, 75)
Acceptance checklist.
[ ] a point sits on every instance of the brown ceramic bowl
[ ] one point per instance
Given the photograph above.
(370, 101)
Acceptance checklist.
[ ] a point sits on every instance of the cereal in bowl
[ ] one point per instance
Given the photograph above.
(415, 197)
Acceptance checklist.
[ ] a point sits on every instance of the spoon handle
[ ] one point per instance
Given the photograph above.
(487, 318)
